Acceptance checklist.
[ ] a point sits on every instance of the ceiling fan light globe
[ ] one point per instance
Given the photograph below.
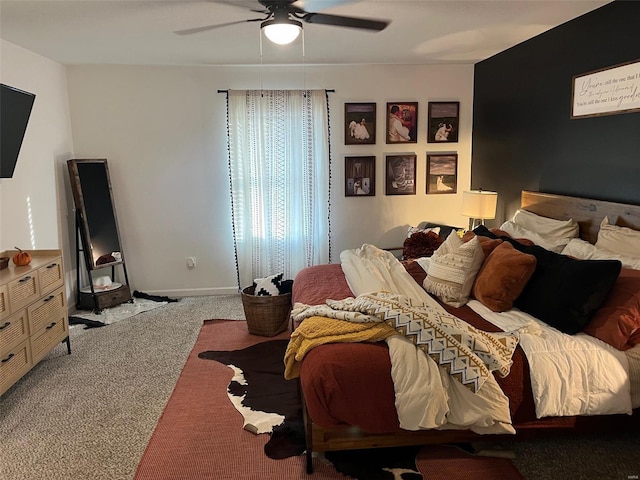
(282, 33)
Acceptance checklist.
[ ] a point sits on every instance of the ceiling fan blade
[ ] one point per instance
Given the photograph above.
(313, 5)
(340, 21)
(246, 4)
(190, 31)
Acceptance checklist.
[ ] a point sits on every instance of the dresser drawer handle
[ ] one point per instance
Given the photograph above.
(53, 265)
(5, 360)
(49, 298)
(6, 324)
(53, 324)
(25, 279)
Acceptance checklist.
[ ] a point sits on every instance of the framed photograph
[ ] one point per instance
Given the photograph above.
(359, 123)
(359, 176)
(443, 122)
(442, 173)
(402, 122)
(400, 174)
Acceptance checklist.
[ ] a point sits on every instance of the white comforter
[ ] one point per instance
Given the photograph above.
(571, 375)
(426, 396)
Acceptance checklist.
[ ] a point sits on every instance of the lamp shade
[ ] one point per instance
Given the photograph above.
(479, 204)
(281, 32)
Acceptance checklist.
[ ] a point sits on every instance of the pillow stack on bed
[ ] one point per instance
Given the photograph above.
(617, 322)
(564, 292)
(583, 289)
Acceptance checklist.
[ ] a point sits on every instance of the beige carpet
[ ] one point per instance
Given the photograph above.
(90, 415)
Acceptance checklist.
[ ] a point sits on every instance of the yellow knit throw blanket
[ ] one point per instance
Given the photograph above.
(316, 331)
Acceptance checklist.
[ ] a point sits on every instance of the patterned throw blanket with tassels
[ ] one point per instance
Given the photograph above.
(466, 353)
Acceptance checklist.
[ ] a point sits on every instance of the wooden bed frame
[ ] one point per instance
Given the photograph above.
(589, 214)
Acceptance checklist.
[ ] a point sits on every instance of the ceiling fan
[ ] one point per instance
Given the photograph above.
(282, 21)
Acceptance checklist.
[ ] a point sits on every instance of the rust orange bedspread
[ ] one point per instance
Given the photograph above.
(350, 384)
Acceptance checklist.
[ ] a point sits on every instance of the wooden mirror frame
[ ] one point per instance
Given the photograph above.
(82, 217)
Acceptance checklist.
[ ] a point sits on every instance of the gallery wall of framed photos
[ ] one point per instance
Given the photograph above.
(403, 188)
(401, 127)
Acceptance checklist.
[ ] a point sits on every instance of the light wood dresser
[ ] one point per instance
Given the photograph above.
(33, 313)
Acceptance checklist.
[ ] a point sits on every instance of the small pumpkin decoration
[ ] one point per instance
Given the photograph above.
(21, 258)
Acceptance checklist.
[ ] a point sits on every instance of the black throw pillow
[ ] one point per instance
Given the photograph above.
(563, 292)
(485, 232)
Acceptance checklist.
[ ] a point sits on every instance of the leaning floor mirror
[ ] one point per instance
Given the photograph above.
(97, 237)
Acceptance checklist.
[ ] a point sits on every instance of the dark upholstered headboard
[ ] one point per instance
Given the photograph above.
(588, 213)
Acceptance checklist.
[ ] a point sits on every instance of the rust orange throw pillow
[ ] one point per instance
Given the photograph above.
(503, 276)
(617, 321)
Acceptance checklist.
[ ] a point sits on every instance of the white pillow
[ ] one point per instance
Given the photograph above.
(413, 230)
(555, 244)
(580, 249)
(453, 268)
(620, 240)
(583, 250)
(548, 227)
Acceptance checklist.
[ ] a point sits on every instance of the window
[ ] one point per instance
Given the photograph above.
(279, 178)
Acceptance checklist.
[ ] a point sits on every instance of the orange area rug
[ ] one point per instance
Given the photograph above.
(200, 436)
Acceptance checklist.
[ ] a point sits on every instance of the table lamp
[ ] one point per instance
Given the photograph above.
(479, 205)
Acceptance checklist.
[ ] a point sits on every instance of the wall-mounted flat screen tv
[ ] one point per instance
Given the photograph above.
(15, 110)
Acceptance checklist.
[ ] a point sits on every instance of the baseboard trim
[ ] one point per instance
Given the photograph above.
(195, 292)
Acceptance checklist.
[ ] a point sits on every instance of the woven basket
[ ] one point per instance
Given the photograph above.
(266, 315)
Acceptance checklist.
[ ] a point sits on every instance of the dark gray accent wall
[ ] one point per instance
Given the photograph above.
(523, 134)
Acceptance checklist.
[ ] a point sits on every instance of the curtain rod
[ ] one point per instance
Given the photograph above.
(326, 90)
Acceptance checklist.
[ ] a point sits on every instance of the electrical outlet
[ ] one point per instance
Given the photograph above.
(191, 262)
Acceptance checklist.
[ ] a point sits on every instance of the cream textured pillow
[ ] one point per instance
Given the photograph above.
(453, 268)
(620, 240)
(547, 227)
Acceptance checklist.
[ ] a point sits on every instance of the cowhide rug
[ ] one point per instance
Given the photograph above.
(271, 404)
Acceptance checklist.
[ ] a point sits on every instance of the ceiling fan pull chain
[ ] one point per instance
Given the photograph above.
(261, 66)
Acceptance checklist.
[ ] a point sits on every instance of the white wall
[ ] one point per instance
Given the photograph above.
(30, 204)
(163, 132)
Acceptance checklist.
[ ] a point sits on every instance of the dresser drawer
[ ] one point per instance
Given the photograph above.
(13, 330)
(46, 310)
(23, 291)
(4, 302)
(33, 313)
(14, 364)
(51, 276)
(53, 333)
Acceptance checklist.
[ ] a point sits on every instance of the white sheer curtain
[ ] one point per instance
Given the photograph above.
(279, 177)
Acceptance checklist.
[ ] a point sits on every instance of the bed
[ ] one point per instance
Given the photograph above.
(347, 389)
